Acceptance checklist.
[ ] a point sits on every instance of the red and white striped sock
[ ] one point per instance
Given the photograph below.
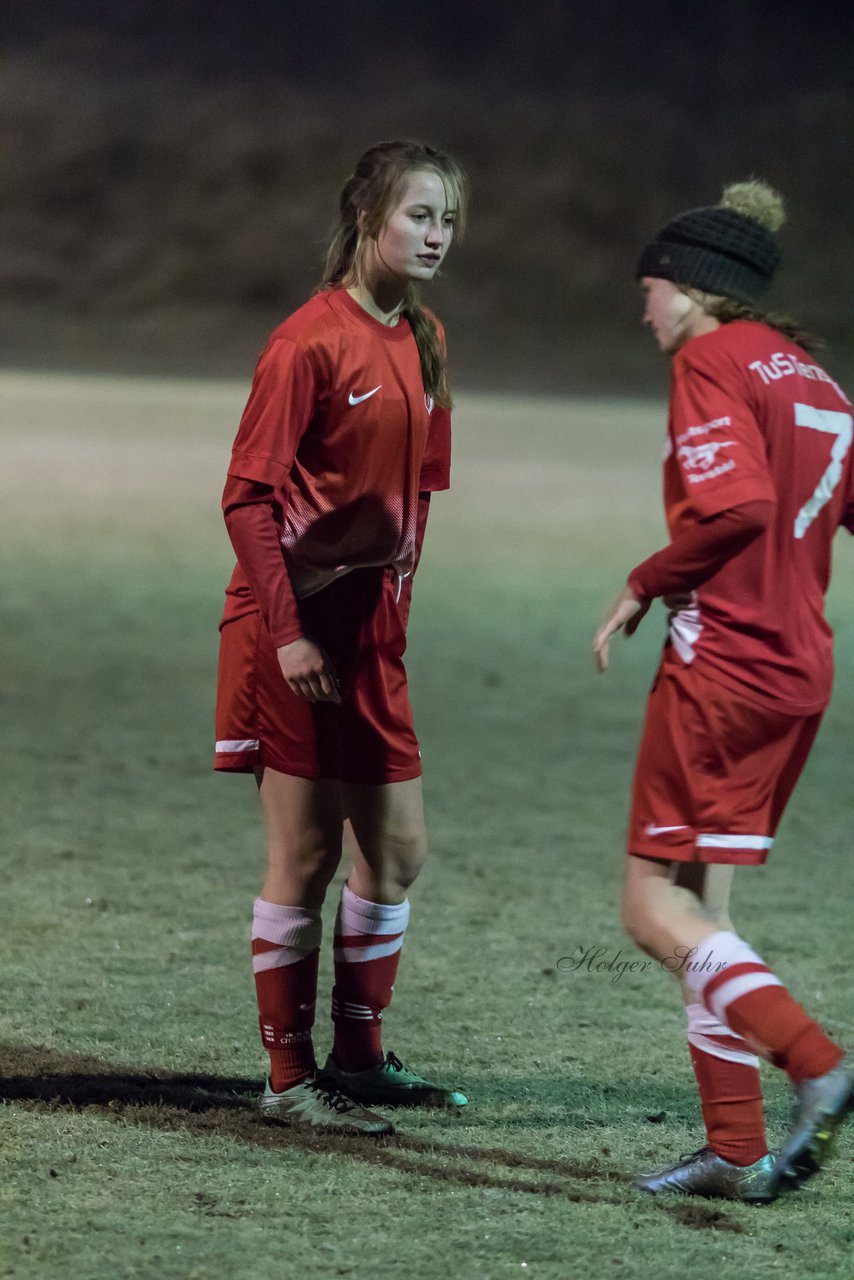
(730, 1091)
(285, 948)
(368, 939)
(740, 990)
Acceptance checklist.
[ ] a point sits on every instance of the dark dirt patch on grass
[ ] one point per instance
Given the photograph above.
(221, 1106)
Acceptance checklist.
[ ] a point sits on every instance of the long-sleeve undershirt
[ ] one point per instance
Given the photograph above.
(701, 551)
(250, 510)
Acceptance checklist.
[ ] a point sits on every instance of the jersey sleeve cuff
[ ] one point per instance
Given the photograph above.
(434, 479)
(287, 635)
(257, 467)
(731, 495)
(636, 586)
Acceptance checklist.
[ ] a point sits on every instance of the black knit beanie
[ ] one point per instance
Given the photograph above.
(716, 249)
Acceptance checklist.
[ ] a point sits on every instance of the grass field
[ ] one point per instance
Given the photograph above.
(128, 1045)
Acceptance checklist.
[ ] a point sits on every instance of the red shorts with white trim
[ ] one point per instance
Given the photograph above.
(366, 738)
(714, 772)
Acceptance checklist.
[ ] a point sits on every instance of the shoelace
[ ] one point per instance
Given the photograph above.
(330, 1095)
(688, 1157)
(392, 1060)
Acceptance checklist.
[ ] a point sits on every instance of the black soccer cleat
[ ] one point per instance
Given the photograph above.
(390, 1084)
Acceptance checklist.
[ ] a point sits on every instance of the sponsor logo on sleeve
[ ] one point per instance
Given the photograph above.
(703, 429)
(702, 457)
(702, 460)
(699, 461)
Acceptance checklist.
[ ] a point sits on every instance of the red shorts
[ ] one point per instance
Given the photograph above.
(714, 772)
(368, 736)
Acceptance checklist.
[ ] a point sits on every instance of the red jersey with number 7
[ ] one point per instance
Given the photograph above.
(752, 416)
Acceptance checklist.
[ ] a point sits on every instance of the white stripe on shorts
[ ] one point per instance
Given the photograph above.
(227, 745)
(710, 840)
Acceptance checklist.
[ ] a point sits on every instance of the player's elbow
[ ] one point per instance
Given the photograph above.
(755, 517)
(239, 493)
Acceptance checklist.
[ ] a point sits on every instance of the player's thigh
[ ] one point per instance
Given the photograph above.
(672, 905)
(646, 884)
(710, 884)
(388, 825)
(304, 820)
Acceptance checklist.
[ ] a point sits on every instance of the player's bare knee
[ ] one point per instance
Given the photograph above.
(640, 929)
(403, 857)
(404, 875)
(634, 923)
(634, 913)
(408, 854)
(318, 878)
(645, 924)
(722, 920)
(309, 862)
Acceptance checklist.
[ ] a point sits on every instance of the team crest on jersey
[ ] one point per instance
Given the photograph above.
(428, 403)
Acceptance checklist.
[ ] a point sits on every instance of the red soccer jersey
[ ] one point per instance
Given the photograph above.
(338, 423)
(753, 417)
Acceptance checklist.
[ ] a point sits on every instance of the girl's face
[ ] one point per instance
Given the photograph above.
(418, 232)
(670, 314)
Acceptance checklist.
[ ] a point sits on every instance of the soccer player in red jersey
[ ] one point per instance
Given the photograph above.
(757, 479)
(345, 435)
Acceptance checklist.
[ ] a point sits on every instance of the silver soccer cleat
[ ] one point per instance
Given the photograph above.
(707, 1174)
(820, 1107)
(317, 1103)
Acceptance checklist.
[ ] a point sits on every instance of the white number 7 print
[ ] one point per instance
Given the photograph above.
(836, 424)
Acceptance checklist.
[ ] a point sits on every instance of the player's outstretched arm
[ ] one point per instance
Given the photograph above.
(626, 612)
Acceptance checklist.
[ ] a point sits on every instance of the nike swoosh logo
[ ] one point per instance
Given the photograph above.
(650, 830)
(366, 396)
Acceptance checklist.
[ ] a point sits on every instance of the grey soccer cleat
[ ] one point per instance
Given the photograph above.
(820, 1107)
(317, 1103)
(707, 1174)
(390, 1084)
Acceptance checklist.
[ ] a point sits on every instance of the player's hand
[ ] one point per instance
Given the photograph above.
(626, 613)
(308, 671)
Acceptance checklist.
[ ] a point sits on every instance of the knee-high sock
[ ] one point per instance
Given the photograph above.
(730, 1092)
(285, 947)
(739, 989)
(368, 939)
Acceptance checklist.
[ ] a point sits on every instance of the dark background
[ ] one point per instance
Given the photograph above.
(170, 171)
